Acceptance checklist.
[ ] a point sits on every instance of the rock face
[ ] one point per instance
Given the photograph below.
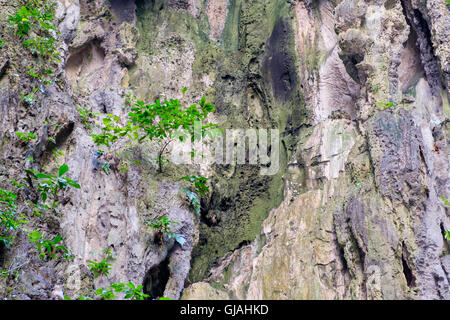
(355, 209)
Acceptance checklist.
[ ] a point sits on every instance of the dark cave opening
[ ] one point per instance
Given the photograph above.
(342, 257)
(410, 279)
(155, 280)
(123, 10)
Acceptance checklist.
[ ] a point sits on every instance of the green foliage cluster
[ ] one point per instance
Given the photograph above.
(35, 15)
(131, 291)
(26, 136)
(86, 116)
(102, 267)
(194, 200)
(162, 225)
(199, 183)
(161, 121)
(386, 105)
(112, 130)
(33, 24)
(48, 249)
(9, 218)
(106, 167)
(49, 186)
(201, 189)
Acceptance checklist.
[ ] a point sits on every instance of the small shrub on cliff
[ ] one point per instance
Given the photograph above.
(162, 227)
(26, 136)
(86, 116)
(10, 220)
(36, 14)
(386, 105)
(199, 183)
(21, 19)
(112, 130)
(131, 291)
(48, 249)
(194, 200)
(49, 186)
(33, 24)
(45, 47)
(102, 267)
(163, 122)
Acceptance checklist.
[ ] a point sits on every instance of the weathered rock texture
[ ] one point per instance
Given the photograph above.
(354, 211)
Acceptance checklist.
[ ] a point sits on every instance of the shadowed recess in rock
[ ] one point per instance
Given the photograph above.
(156, 279)
(123, 10)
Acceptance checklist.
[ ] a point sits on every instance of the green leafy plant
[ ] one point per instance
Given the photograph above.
(164, 121)
(21, 19)
(112, 130)
(33, 23)
(29, 99)
(194, 200)
(10, 220)
(41, 75)
(57, 152)
(131, 291)
(49, 186)
(387, 105)
(162, 226)
(99, 268)
(44, 46)
(80, 297)
(26, 136)
(48, 249)
(199, 183)
(36, 14)
(447, 234)
(86, 116)
(2, 43)
(106, 167)
(446, 202)
(102, 267)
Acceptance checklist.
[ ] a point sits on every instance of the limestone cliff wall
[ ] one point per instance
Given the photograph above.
(355, 211)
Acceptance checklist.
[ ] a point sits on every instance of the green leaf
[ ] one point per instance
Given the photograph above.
(34, 236)
(73, 184)
(63, 169)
